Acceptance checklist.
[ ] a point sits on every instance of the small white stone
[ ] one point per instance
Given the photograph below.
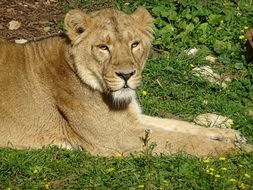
(46, 29)
(211, 59)
(208, 74)
(192, 51)
(20, 41)
(213, 120)
(14, 25)
(50, 1)
(250, 113)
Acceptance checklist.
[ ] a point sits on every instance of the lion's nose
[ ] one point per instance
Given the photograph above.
(125, 76)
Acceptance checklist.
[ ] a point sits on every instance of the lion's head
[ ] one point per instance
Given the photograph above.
(110, 48)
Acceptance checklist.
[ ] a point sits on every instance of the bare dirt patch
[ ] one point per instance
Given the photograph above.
(39, 18)
(34, 17)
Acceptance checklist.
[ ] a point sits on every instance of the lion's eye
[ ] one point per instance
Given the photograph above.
(135, 44)
(103, 47)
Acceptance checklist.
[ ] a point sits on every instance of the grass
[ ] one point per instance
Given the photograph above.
(53, 168)
(213, 27)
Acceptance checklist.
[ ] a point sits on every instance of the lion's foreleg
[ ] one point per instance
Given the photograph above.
(173, 125)
(173, 136)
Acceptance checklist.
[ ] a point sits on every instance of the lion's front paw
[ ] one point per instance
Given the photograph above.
(229, 135)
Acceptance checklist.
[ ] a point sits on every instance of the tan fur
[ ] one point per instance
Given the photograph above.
(70, 92)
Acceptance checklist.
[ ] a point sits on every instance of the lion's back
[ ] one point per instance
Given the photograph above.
(12, 65)
(25, 104)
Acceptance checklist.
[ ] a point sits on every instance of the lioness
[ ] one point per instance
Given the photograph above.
(79, 91)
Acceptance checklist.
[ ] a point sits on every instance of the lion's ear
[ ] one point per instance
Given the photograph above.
(75, 23)
(142, 17)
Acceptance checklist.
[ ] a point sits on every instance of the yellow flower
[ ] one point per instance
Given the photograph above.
(211, 169)
(217, 175)
(241, 37)
(8, 188)
(118, 155)
(224, 169)
(208, 171)
(232, 180)
(35, 171)
(141, 186)
(144, 93)
(247, 175)
(211, 173)
(242, 31)
(242, 186)
(46, 186)
(222, 158)
(192, 66)
(110, 170)
(245, 27)
(206, 161)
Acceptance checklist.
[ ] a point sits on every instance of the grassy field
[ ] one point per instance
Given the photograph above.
(215, 28)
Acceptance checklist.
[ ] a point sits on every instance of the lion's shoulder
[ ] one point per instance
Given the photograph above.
(10, 52)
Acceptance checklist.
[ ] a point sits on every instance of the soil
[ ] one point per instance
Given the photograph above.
(34, 17)
(39, 18)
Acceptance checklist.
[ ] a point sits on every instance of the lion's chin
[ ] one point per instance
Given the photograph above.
(122, 96)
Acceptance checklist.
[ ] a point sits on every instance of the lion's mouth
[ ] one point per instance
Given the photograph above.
(124, 87)
(120, 86)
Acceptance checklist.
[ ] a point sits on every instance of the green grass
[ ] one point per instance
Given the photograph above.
(62, 169)
(176, 90)
(214, 28)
